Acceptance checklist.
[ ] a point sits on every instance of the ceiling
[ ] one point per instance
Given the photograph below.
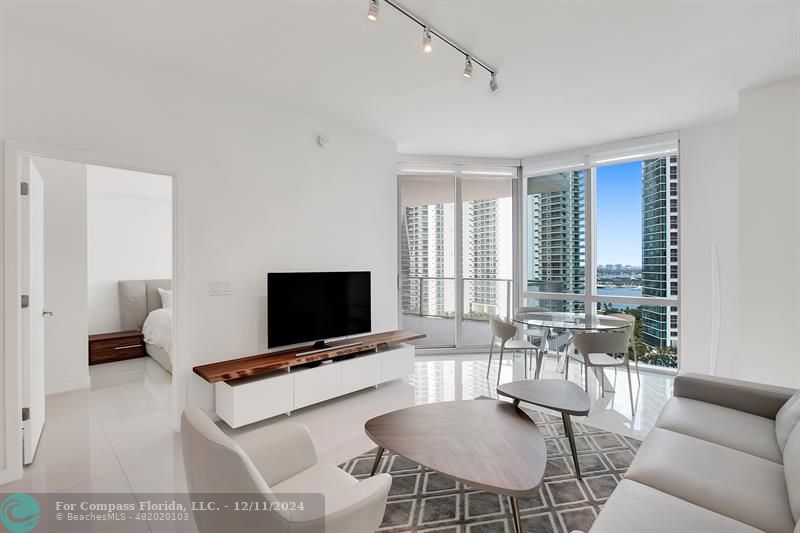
(571, 73)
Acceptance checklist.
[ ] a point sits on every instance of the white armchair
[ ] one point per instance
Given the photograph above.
(277, 460)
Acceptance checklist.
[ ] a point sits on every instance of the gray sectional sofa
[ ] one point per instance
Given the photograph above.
(724, 457)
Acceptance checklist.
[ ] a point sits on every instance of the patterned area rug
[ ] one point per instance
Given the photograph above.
(423, 501)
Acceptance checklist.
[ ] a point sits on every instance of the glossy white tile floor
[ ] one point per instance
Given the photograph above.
(116, 436)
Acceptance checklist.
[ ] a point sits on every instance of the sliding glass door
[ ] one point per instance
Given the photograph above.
(456, 255)
(486, 255)
(427, 258)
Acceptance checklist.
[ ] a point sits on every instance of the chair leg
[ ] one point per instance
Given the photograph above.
(491, 349)
(539, 364)
(525, 363)
(602, 383)
(585, 378)
(636, 360)
(566, 369)
(630, 390)
(500, 368)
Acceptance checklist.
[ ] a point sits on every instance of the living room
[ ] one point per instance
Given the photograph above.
(633, 159)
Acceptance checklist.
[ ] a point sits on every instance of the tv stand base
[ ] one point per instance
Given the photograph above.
(326, 348)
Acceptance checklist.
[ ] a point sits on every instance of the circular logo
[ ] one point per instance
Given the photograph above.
(19, 512)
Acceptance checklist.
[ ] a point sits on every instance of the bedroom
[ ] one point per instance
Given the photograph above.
(108, 256)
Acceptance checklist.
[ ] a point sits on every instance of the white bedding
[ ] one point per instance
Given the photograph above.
(157, 329)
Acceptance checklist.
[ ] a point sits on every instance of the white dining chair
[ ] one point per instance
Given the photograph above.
(276, 460)
(504, 333)
(631, 338)
(596, 349)
(534, 332)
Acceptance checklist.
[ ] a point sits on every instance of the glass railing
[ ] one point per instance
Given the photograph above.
(428, 305)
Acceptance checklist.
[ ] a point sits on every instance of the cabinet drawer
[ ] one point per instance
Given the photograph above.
(361, 372)
(317, 384)
(115, 344)
(107, 356)
(249, 402)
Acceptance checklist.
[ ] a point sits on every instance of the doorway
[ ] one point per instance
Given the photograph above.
(95, 271)
(456, 255)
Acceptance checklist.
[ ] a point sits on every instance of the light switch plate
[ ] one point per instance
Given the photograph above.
(219, 288)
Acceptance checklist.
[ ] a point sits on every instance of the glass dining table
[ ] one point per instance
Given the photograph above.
(563, 321)
(555, 320)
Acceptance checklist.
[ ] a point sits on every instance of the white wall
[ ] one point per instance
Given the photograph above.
(66, 365)
(769, 234)
(709, 248)
(254, 191)
(129, 227)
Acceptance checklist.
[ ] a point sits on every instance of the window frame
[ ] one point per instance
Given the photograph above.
(590, 299)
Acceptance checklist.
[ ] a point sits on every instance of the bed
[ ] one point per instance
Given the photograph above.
(141, 309)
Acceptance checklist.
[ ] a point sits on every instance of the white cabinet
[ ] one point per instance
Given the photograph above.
(254, 399)
(361, 372)
(314, 385)
(398, 362)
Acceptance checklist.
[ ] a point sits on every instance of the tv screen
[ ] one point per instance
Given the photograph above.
(314, 306)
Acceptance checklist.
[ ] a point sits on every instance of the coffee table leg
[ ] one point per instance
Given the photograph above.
(378, 455)
(515, 514)
(571, 436)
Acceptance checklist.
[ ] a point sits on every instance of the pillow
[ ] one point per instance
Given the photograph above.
(787, 418)
(166, 298)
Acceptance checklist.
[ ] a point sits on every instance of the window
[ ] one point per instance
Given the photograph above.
(555, 230)
(632, 229)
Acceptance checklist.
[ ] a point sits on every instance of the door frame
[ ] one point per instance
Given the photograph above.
(13, 153)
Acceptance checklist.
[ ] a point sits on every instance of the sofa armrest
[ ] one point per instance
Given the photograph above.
(754, 398)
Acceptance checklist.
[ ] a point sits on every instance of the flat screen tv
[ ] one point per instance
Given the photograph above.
(315, 306)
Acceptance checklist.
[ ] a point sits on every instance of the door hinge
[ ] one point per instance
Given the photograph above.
(26, 301)
(26, 414)
(23, 188)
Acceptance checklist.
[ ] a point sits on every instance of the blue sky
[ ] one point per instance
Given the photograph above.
(619, 214)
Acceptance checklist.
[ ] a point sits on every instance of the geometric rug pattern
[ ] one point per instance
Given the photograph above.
(423, 501)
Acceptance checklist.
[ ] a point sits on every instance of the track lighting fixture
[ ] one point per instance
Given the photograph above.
(374, 9)
(428, 32)
(493, 83)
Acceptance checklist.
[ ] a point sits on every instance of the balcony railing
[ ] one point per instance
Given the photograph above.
(415, 292)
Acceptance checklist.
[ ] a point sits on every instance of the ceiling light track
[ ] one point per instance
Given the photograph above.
(429, 30)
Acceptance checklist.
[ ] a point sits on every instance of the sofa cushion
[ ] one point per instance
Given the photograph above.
(791, 465)
(739, 485)
(787, 419)
(731, 428)
(634, 507)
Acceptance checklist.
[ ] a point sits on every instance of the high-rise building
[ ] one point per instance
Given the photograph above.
(660, 249)
(486, 245)
(556, 233)
(422, 259)
(480, 255)
(427, 256)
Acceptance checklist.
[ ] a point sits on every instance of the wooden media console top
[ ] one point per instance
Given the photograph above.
(270, 362)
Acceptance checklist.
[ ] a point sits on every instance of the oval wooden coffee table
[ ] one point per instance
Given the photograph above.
(556, 394)
(487, 444)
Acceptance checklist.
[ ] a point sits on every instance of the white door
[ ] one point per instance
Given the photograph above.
(33, 313)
